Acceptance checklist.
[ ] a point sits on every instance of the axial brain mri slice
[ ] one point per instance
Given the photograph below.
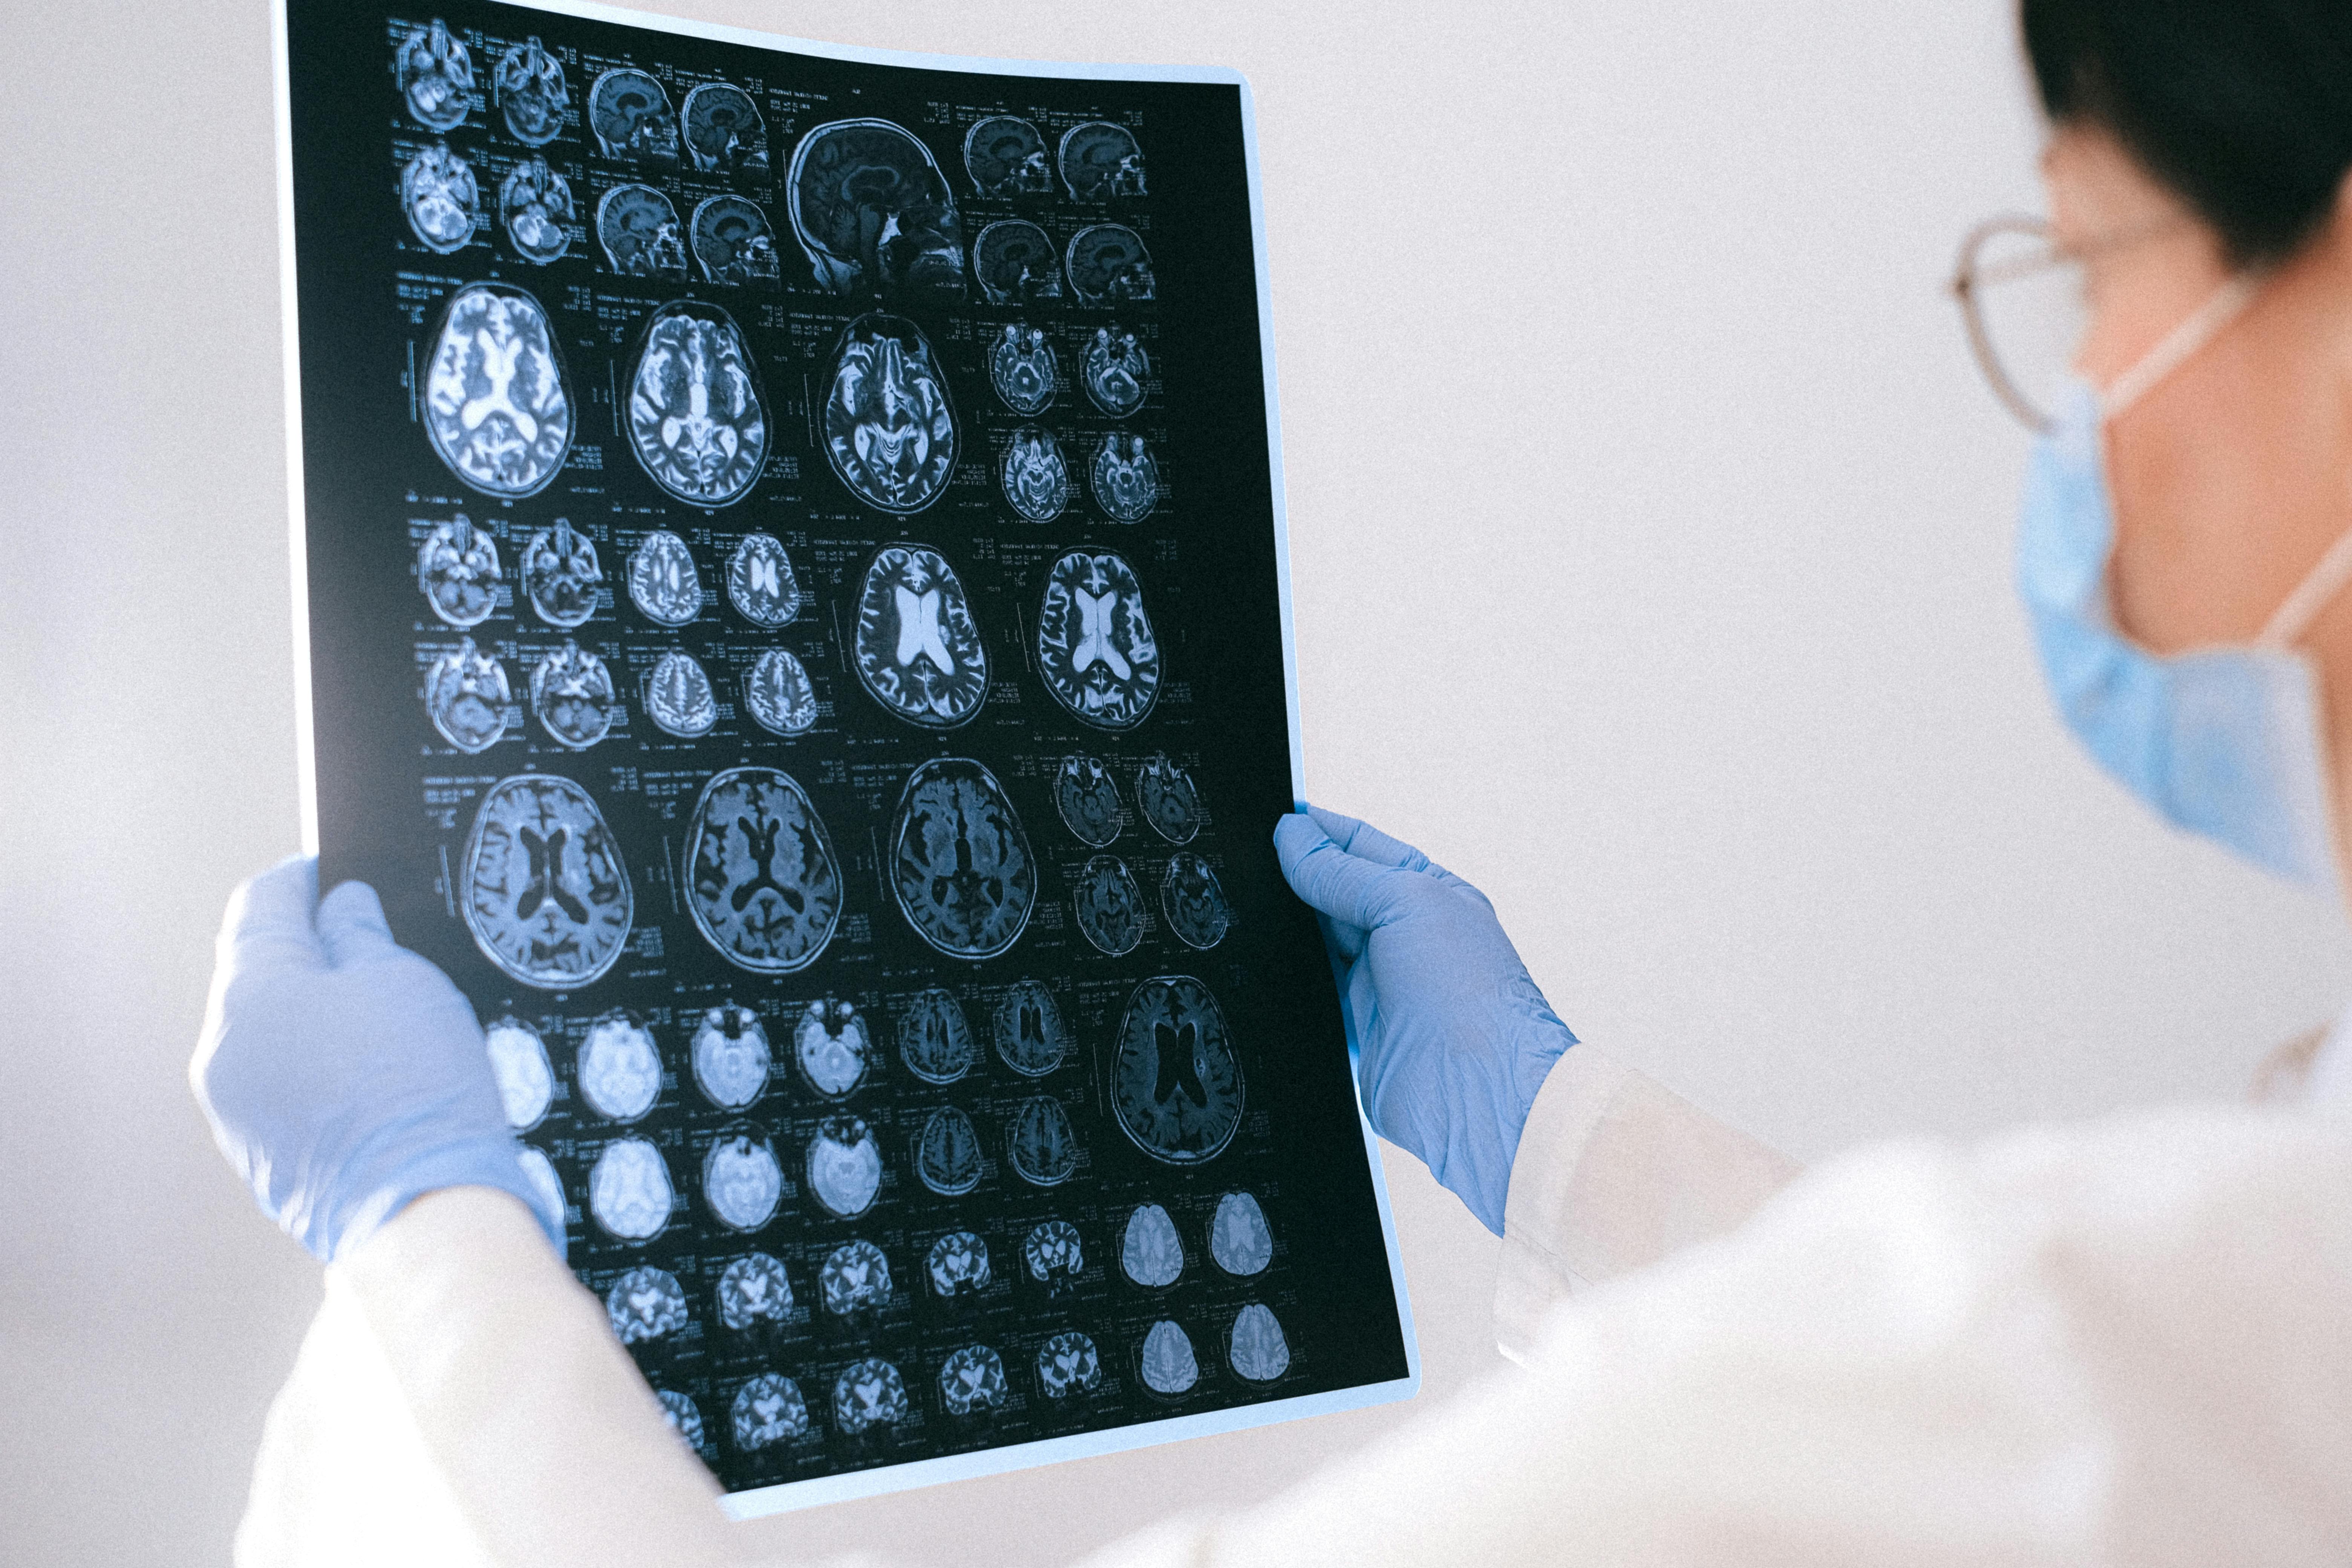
(645, 1304)
(777, 693)
(889, 423)
(1115, 369)
(495, 403)
(684, 1418)
(947, 1152)
(663, 582)
(1169, 800)
(1068, 1363)
(766, 888)
(753, 1289)
(1193, 903)
(540, 1171)
(1255, 1346)
(457, 567)
(741, 1181)
(873, 213)
(639, 232)
(573, 694)
(467, 697)
(526, 1079)
(972, 1381)
(730, 1057)
(1031, 1038)
(547, 893)
(1087, 798)
(916, 646)
(620, 1070)
(697, 420)
(438, 193)
(845, 1165)
(1239, 1240)
(1109, 905)
(679, 698)
(867, 1395)
(1006, 157)
(1013, 262)
(731, 241)
(1095, 645)
(535, 208)
(1126, 479)
(854, 1278)
(934, 1041)
(1022, 368)
(959, 862)
(560, 573)
(832, 1047)
(1150, 1254)
(1053, 1255)
(1043, 1146)
(1100, 160)
(630, 113)
(1166, 1360)
(531, 93)
(1108, 266)
(724, 130)
(760, 583)
(767, 1410)
(1176, 1085)
(957, 1265)
(436, 74)
(629, 1190)
(1037, 482)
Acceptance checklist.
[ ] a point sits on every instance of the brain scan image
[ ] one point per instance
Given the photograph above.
(1013, 262)
(1031, 1038)
(1095, 647)
(1254, 1347)
(436, 73)
(630, 113)
(1193, 903)
(972, 1381)
(1037, 482)
(777, 693)
(1108, 266)
(697, 420)
(1150, 1254)
(547, 891)
(1169, 800)
(1176, 1085)
(645, 1304)
(1238, 1238)
(916, 646)
(531, 93)
(729, 1052)
(724, 131)
(526, 1079)
(678, 697)
(1166, 1360)
(832, 1047)
(855, 1277)
(683, 1419)
(1126, 479)
(629, 1190)
(1087, 798)
(639, 232)
(753, 1290)
(535, 208)
(868, 1395)
(1109, 905)
(1068, 1364)
(540, 1171)
(845, 1166)
(766, 889)
(1051, 1253)
(1042, 1143)
(441, 198)
(560, 575)
(572, 695)
(1006, 157)
(760, 583)
(947, 1152)
(934, 1041)
(872, 210)
(495, 402)
(767, 1410)
(1115, 369)
(731, 241)
(663, 582)
(467, 697)
(957, 1265)
(1100, 160)
(889, 423)
(959, 861)
(457, 567)
(620, 1071)
(1023, 369)
(741, 1181)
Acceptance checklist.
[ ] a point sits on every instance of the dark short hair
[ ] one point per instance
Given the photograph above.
(2243, 108)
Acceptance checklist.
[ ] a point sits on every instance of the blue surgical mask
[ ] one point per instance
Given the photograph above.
(2226, 741)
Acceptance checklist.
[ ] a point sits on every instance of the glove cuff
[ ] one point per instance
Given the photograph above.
(484, 1163)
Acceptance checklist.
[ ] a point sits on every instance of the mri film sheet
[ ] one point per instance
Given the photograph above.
(795, 630)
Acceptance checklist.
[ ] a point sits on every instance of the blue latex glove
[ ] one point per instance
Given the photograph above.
(1452, 1038)
(342, 1074)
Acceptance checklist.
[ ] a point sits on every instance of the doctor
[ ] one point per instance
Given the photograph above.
(2126, 1342)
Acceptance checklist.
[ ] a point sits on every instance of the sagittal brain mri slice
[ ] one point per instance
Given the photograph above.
(1239, 1240)
(467, 697)
(540, 1171)
(915, 645)
(1176, 1085)
(630, 115)
(1037, 482)
(620, 1070)
(741, 1181)
(663, 582)
(438, 193)
(1150, 1253)
(873, 213)
(1068, 1364)
(868, 1395)
(778, 694)
(1126, 479)
(1169, 800)
(947, 1152)
(766, 888)
(957, 1265)
(845, 1166)
(1100, 160)
(1095, 645)
(1109, 905)
(639, 233)
(531, 93)
(854, 1278)
(696, 419)
(684, 1418)
(547, 891)
(1108, 266)
(1256, 1347)
(753, 1290)
(1031, 1038)
(959, 861)
(535, 209)
(526, 1079)
(1193, 903)
(1014, 261)
(724, 131)
(1006, 157)
(560, 576)
(732, 242)
(760, 583)
(730, 1057)
(972, 1381)
(457, 567)
(1166, 1360)
(1043, 1146)
(1087, 797)
(934, 1040)
(572, 695)
(1023, 369)
(436, 73)
(832, 1047)
(496, 406)
(1115, 370)
(766, 1411)
(629, 1190)
(645, 1304)
(889, 423)
(679, 698)
(1053, 1253)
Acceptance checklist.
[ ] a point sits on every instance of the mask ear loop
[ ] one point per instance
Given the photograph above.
(2177, 346)
(2310, 595)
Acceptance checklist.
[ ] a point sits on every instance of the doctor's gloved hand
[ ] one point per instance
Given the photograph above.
(342, 1074)
(1453, 1037)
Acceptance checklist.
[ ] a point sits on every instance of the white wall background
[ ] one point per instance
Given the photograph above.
(1650, 531)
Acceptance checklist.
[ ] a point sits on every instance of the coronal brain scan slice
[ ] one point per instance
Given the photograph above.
(1108, 266)
(767, 1410)
(854, 1278)
(957, 1265)
(1037, 482)
(1149, 1252)
(730, 1057)
(1087, 798)
(560, 575)
(639, 232)
(1176, 1085)
(832, 1046)
(959, 861)
(1043, 1146)
(753, 1289)
(531, 93)
(1022, 368)
(766, 887)
(868, 1395)
(778, 694)
(547, 891)
(947, 1152)
(1256, 1347)
(457, 567)
(1014, 261)
(1051, 1253)
(889, 423)
(573, 694)
(1031, 1038)
(1166, 1360)
(495, 403)
(1126, 479)
(629, 1191)
(724, 130)
(620, 1070)
(732, 243)
(972, 1381)
(1109, 905)
(540, 1171)
(934, 1041)
(683, 1419)
(1100, 160)
(1068, 1364)
(917, 648)
(1006, 157)
(845, 1166)
(1115, 369)
(1193, 903)
(436, 73)
(535, 208)
(467, 697)
(441, 198)
(526, 1079)
(697, 420)
(663, 582)
(645, 1304)
(678, 697)
(1238, 1238)
(1169, 800)
(871, 210)
(1095, 645)
(630, 113)
(741, 1181)
(760, 583)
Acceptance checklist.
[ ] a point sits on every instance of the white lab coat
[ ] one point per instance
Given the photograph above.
(2126, 1342)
